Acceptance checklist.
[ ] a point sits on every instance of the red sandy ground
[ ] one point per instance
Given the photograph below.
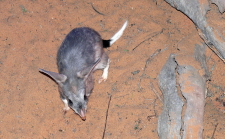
(31, 32)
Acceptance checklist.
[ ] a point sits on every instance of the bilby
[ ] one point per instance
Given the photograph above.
(80, 54)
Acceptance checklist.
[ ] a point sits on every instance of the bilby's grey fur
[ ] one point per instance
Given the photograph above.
(80, 54)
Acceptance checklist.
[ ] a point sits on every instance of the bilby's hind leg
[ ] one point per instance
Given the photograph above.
(105, 73)
(103, 64)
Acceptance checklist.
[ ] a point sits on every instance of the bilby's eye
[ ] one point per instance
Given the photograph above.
(70, 102)
(85, 98)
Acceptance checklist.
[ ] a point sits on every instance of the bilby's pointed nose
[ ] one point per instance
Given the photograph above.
(83, 114)
(83, 118)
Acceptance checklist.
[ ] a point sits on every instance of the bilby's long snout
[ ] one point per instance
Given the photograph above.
(83, 114)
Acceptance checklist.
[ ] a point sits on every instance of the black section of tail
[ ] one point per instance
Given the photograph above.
(106, 43)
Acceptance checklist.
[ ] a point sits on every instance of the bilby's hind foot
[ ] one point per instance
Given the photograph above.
(105, 73)
(102, 79)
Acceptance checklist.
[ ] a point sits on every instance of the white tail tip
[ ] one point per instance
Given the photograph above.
(118, 34)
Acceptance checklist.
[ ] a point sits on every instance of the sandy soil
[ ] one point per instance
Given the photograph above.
(31, 32)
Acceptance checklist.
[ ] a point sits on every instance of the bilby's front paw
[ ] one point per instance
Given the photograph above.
(65, 109)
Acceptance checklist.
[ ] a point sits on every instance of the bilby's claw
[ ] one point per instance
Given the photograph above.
(102, 79)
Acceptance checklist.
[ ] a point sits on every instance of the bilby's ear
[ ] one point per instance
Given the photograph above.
(85, 72)
(59, 78)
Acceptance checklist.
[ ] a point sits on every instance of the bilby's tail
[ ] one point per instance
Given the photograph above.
(108, 43)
